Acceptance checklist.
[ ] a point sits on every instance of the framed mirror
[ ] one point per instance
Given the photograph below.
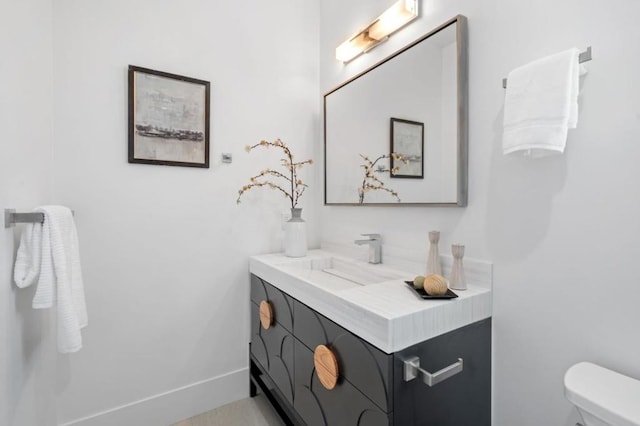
(396, 134)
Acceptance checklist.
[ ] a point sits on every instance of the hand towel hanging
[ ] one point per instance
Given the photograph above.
(49, 253)
(541, 104)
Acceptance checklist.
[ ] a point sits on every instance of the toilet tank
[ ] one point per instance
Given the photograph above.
(602, 394)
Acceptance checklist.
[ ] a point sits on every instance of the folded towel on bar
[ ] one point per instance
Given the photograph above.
(50, 252)
(541, 104)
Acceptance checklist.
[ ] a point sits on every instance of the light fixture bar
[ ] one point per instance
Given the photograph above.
(397, 16)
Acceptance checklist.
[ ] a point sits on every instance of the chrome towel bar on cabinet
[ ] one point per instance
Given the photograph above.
(412, 370)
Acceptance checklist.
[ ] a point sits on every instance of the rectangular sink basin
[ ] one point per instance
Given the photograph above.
(355, 271)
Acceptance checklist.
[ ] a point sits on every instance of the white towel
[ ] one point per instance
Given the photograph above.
(27, 266)
(58, 270)
(541, 104)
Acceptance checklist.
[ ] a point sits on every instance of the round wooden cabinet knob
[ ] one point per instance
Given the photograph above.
(326, 366)
(266, 314)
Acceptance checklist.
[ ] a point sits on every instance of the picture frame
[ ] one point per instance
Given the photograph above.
(407, 140)
(168, 118)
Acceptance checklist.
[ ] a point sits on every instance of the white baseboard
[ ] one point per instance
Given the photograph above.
(177, 404)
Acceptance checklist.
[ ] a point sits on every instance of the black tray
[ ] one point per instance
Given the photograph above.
(420, 292)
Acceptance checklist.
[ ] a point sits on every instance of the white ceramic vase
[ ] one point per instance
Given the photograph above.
(295, 235)
(458, 281)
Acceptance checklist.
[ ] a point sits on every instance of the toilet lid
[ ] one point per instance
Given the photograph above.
(610, 396)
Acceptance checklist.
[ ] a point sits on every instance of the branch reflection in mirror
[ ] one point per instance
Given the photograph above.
(371, 182)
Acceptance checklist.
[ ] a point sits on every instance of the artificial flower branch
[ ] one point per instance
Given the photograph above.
(295, 186)
(371, 182)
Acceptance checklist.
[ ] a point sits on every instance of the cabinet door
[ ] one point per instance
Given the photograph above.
(461, 400)
(344, 405)
(273, 350)
(361, 364)
(281, 303)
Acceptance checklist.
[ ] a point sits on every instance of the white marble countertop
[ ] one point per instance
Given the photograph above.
(388, 314)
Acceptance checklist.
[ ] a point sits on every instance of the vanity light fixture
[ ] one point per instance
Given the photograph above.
(397, 16)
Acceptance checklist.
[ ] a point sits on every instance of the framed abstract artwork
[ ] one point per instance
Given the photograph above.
(168, 119)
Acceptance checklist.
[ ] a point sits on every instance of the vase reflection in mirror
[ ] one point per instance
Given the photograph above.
(457, 280)
(295, 235)
(433, 259)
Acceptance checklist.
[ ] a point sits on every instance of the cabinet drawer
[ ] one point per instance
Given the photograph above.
(344, 405)
(361, 364)
(273, 350)
(461, 400)
(281, 303)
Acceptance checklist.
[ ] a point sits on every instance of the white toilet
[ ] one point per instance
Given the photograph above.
(603, 397)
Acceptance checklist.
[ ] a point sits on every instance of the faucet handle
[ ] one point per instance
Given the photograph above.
(372, 237)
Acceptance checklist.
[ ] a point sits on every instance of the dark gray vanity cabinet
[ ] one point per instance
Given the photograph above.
(370, 389)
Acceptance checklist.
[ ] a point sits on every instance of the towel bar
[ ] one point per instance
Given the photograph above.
(412, 370)
(11, 217)
(584, 57)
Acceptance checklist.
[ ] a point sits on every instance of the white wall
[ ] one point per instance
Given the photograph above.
(562, 232)
(165, 249)
(27, 346)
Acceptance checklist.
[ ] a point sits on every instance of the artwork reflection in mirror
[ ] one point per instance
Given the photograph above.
(407, 141)
(403, 118)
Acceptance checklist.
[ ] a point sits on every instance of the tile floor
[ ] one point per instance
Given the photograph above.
(247, 412)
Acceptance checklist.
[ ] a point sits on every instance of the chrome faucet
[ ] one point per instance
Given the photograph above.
(375, 247)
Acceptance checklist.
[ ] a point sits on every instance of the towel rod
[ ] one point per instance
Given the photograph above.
(11, 217)
(584, 57)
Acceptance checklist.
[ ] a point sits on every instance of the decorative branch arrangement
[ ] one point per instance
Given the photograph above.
(288, 183)
(371, 182)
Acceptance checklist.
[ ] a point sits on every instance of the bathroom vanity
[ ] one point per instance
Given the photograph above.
(329, 350)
